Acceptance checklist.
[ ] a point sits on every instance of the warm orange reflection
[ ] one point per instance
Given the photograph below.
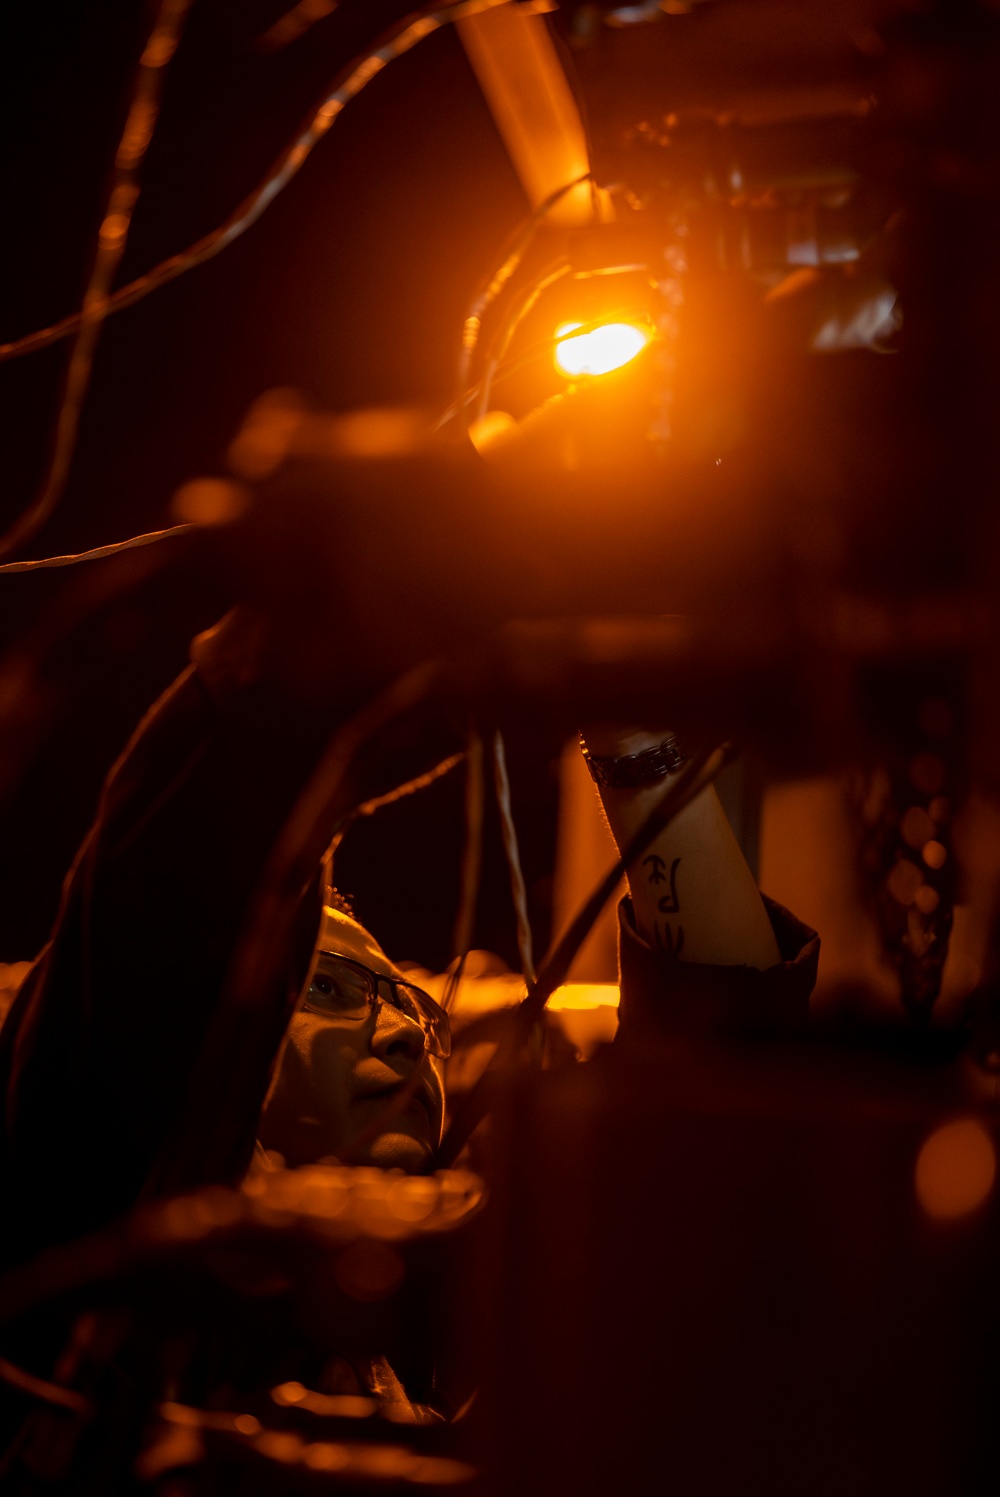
(599, 351)
(584, 995)
(956, 1169)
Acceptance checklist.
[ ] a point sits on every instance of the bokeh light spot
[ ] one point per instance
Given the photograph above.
(904, 881)
(209, 501)
(490, 429)
(927, 900)
(956, 1168)
(935, 854)
(324, 1455)
(288, 1394)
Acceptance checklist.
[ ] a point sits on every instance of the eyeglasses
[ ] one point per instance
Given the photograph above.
(344, 989)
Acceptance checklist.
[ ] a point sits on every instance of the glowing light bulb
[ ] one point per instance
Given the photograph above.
(603, 349)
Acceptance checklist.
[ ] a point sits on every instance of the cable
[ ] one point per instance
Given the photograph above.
(499, 370)
(555, 272)
(504, 371)
(401, 1098)
(99, 552)
(26, 701)
(392, 43)
(491, 286)
(471, 864)
(697, 774)
(515, 317)
(472, 861)
(508, 367)
(508, 830)
(144, 109)
(369, 807)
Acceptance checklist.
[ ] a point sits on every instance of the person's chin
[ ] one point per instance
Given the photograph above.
(399, 1151)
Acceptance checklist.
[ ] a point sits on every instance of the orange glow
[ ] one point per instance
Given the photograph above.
(935, 854)
(525, 85)
(956, 1168)
(209, 501)
(609, 346)
(584, 995)
(490, 429)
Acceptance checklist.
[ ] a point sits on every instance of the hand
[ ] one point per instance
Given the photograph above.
(694, 897)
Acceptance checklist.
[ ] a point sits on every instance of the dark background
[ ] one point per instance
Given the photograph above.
(351, 288)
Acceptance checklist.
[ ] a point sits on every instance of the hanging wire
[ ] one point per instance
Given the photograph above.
(293, 25)
(558, 271)
(140, 123)
(353, 1150)
(492, 284)
(99, 552)
(508, 832)
(500, 367)
(472, 861)
(25, 666)
(369, 807)
(529, 299)
(392, 43)
(508, 367)
(682, 788)
(499, 370)
(400, 1099)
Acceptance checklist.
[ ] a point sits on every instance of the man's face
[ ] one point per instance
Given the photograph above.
(336, 1077)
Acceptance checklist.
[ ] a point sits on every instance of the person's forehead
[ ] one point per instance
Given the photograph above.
(343, 935)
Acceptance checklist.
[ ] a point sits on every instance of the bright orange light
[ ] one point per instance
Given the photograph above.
(956, 1168)
(584, 996)
(604, 348)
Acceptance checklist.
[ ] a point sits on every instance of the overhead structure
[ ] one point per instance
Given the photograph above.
(524, 83)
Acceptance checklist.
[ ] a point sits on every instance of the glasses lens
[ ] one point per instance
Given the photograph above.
(345, 990)
(340, 988)
(421, 1008)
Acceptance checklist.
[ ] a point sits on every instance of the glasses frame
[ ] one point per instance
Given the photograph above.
(434, 1021)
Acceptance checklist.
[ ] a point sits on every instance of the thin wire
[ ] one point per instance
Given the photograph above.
(472, 862)
(99, 552)
(401, 1098)
(696, 776)
(519, 894)
(369, 807)
(504, 372)
(513, 322)
(140, 123)
(293, 25)
(680, 791)
(392, 43)
(555, 272)
(492, 284)
(509, 367)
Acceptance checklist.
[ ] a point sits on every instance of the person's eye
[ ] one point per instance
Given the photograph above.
(323, 984)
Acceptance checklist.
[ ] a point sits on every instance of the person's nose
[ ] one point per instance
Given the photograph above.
(396, 1036)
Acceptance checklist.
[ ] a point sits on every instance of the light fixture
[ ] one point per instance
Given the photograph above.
(608, 346)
